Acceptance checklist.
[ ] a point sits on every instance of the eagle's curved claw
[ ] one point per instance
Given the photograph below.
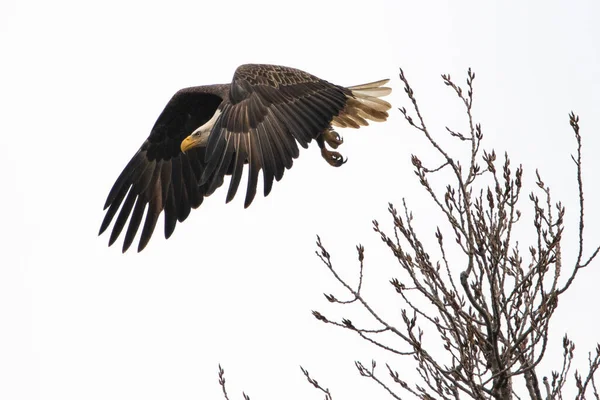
(332, 138)
(334, 158)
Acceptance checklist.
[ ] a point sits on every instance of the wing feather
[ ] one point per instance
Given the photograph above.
(156, 203)
(270, 164)
(225, 160)
(113, 208)
(170, 212)
(123, 216)
(255, 161)
(134, 222)
(240, 158)
(282, 159)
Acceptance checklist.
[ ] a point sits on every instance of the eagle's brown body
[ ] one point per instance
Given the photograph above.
(207, 132)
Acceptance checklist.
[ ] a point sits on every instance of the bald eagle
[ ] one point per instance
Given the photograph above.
(207, 132)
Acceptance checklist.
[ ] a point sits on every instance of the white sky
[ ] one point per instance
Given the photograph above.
(81, 86)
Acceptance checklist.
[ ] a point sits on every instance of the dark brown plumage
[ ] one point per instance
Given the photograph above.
(207, 132)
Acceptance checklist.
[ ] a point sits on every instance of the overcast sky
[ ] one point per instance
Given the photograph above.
(81, 86)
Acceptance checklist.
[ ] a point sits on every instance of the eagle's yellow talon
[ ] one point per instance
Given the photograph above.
(332, 138)
(334, 158)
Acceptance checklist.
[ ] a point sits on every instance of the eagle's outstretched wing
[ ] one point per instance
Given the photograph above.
(269, 109)
(159, 175)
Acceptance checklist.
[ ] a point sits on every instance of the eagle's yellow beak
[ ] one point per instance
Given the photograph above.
(190, 142)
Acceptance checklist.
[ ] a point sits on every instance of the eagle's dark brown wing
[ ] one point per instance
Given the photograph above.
(160, 177)
(269, 109)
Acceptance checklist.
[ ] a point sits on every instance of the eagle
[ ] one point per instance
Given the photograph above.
(207, 132)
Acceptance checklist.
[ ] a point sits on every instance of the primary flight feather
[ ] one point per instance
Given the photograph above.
(207, 132)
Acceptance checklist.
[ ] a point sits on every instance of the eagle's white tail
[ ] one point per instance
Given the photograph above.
(364, 104)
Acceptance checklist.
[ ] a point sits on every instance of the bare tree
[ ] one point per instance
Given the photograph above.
(487, 302)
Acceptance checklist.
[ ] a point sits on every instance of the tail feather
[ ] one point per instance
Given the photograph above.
(358, 116)
(371, 85)
(373, 92)
(364, 104)
(346, 121)
(374, 102)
